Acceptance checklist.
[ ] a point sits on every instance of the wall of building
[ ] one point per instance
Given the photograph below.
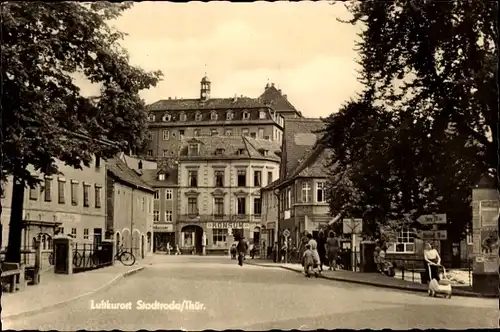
(75, 218)
(165, 219)
(206, 192)
(133, 218)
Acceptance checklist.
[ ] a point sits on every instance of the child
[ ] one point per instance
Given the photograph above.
(308, 261)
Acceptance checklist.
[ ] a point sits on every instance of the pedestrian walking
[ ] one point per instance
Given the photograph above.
(177, 250)
(332, 250)
(242, 249)
(308, 261)
(302, 245)
(432, 261)
(169, 248)
(321, 249)
(314, 248)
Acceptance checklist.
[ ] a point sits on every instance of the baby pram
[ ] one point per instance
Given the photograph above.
(443, 286)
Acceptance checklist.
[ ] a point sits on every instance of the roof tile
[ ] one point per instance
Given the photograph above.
(120, 170)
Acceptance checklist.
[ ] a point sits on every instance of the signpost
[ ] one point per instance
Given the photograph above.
(434, 235)
(430, 219)
(353, 226)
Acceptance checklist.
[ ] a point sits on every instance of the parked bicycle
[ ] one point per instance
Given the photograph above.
(124, 256)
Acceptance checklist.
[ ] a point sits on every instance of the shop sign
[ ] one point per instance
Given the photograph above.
(68, 217)
(271, 225)
(489, 211)
(226, 225)
(163, 227)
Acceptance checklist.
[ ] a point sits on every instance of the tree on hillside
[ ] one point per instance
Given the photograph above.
(44, 115)
(430, 69)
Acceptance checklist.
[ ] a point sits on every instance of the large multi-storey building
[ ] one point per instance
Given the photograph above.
(219, 190)
(171, 120)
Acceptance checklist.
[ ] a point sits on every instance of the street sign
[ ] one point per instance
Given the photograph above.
(286, 233)
(434, 235)
(352, 226)
(427, 219)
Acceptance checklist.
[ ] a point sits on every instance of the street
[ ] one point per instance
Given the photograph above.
(255, 298)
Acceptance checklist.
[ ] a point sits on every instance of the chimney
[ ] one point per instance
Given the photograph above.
(235, 99)
(140, 164)
(169, 98)
(279, 90)
(285, 96)
(272, 84)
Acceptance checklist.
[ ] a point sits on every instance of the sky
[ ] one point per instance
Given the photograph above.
(301, 47)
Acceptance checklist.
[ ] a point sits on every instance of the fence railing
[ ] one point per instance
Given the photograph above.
(87, 256)
(414, 269)
(28, 254)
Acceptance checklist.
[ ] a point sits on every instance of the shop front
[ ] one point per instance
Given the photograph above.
(220, 235)
(163, 234)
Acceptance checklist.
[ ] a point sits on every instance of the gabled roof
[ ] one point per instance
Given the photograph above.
(279, 102)
(118, 169)
(150, 176)
(198, 104)
(299, 139)
(229, 147)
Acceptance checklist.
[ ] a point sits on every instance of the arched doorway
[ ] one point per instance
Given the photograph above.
(191, 238)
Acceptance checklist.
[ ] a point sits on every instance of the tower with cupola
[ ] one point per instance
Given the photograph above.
(205, 88)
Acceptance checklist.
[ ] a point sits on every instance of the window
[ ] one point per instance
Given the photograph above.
(181, 134)
(240, 152)
(198, 116)
(262, 114)
(196, 133)
(405, 243)
(165, 153)
(156, 206)
(192, 205)
(73, 232)
(288, 198)
(269, 178)
(244, 132)
(218, 207)
(219, 236)
(219, 152)
(166, 118)
(229, 115)
(246, 115)
(241, 205)
(193, 149)
(48, 189)
(161, 176)
(229, 132)
(168, 216)
(143, 204)
(320, 192)
(219, 178)
(151, 117)
(74, 193)
(86, 190)
(97, 196)
(166, 135)
(213, 116)
(34, 193)
(150, 153)
(306, 191)
(60, 192)
(182, 117)
(242, 178)
(86, 233)
(469, 235)
(257, 206)
(257, 177)
(214, 132)
(193, 178)
(261, 133)
(168, 194)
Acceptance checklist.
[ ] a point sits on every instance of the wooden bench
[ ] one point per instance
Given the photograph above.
(33, 274)
(11, 273)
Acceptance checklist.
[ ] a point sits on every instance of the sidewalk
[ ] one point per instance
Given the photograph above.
(58, 289)
(371, 279)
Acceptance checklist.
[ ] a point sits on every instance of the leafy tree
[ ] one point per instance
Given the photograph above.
(425, 130)
(45, 116)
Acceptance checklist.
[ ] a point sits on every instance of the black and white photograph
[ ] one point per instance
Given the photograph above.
(217, 165)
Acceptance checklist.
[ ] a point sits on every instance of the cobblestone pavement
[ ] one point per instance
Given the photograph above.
(255, 298)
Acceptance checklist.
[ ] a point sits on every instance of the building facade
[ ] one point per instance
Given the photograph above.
(171, 120)
(72, 202)
(219, 190)
(130, 208)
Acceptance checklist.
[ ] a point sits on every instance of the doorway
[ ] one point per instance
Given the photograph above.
(192, 237)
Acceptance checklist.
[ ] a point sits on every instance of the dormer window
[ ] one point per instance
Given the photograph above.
(264, 152)
(151, 117)
(214, 116)
(182, 116)
(219, 152)
(198, 116)
(194, 149)
(246, 115)
(262, 114)
(241, 151)
(167, 117)
(161, 177)
(229, 115)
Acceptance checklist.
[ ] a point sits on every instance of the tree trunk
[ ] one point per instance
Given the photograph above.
(16, 222)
